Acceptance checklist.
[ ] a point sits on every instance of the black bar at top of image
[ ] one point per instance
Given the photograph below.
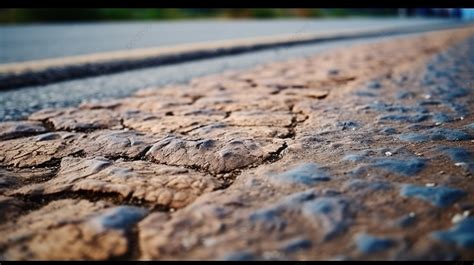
(234, 4)
(234, 262)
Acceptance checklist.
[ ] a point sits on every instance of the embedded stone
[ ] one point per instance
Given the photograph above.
(461, 234)
(295, 245)
(121, 217)
(405, 118)
(306, 174)
(369, 244)
(403, 167)
(440, 196)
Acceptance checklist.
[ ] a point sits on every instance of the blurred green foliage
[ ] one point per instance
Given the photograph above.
(114, 14)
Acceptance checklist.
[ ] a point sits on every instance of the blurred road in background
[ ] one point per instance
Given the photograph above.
(40, 41)
(44, 41)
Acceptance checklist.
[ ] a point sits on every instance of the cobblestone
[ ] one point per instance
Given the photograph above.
(322, 157)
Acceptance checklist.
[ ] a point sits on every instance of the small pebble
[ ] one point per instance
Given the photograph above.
(466, 213)
(430, 184)
(388, 153)
(457, 218)
(459, 164)
(427, 96)
(333, 71)
(461, 118)
(412, 214)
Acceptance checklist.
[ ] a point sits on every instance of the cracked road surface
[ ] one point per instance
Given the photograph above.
(364, 152)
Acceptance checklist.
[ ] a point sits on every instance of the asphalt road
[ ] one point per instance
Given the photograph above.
(16, 104)
(40, 41)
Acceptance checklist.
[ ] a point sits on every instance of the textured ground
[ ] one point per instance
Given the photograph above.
(360, 153)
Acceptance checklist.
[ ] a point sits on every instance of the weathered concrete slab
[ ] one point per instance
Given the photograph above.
(363, 153)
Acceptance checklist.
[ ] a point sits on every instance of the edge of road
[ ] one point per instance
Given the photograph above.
(41, 72)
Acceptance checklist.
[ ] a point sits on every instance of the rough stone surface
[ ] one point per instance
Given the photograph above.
(78, 119)
(116, 143)
(79, 230)
(140, 180)
(10, 208)
(22, 230)
(357, 153)
(38, 150)
(15, 129)
(15, 177)
(213, 155)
